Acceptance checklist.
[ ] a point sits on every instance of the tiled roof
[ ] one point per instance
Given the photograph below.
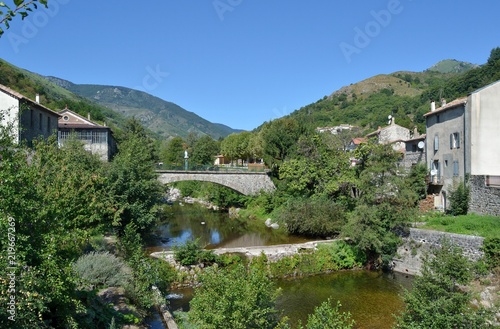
(358, 140)
(455, 103)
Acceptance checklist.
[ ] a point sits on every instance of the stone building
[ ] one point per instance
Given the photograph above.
(97, 139)
(392, 134)
(27, 118)
(460, 143)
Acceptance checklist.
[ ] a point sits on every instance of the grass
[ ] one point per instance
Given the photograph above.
(485, 226)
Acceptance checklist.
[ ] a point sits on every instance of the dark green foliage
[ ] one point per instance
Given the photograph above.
(312, 217)
(190, 253)
(328, 316)
(437, 299)
(133, 186)
(203, 151)
(234, 298)
(491, 249)
(459, 199)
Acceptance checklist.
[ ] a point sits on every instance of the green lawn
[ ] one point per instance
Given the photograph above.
(485, 226)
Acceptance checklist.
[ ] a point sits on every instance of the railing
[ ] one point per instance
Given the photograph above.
(223, 168)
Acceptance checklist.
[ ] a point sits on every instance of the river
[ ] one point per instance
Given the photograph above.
(371, 297)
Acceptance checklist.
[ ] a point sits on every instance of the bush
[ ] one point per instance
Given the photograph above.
(491, 248)
(191, 254)
(317, 217)
(459, 199)
(101, 269)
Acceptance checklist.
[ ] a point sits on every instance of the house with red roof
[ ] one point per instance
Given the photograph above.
(97, 139)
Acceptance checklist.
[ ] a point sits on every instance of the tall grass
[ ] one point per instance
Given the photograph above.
(485, 226)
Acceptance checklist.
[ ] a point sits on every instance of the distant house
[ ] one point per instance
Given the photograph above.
(354, 143)
(461, 142)
(28, 118)
(97, 139)
(415, 151)
(334, 129)
(392, 134)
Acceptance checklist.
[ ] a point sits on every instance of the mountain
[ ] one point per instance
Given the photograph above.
(404, 95)
(162, 117)
(452, 66)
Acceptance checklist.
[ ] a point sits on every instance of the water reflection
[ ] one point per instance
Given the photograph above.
(214, 230)
(371, 297)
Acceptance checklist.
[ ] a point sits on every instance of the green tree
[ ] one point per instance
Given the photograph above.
(21, 7)
(204, 151)
(459, 199)
(52, 200)
(133, 186)
(327, 316)
(172, 152)
(234, 298)
(319, 168)
(280, 138)
(437, 299)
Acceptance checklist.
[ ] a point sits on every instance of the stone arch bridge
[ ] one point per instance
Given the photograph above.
(247, 183)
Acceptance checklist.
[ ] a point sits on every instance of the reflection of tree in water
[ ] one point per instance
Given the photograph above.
(214, 229)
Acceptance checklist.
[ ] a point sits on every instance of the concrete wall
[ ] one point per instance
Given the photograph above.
(484, 200)
(36, 122)
(409, 255)
(485, 123)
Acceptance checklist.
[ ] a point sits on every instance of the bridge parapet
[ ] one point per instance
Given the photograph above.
(247, 183)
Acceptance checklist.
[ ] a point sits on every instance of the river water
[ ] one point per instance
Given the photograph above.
(371, 297)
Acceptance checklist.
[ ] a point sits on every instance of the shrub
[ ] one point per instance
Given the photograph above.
(459, 199)
(101, 269)
(317, 217)
(491, 248)
(190, 253)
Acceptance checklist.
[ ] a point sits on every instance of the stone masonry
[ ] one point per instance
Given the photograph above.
(409, 255)
(484, 200)
(247, 183)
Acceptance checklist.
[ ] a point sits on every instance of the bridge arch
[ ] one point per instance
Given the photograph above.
(247, 183)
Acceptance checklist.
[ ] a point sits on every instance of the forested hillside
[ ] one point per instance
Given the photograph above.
(53, 96)
(404, 95)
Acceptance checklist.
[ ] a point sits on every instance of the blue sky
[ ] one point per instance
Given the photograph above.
(244, 62)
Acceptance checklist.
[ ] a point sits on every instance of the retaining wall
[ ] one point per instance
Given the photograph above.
(409, 255)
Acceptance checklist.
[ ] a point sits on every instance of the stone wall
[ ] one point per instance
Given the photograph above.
(484, 200)
(248, 183)
(409, 256)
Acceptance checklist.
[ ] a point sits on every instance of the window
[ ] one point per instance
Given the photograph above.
(455, 168)
(48, 124)
(455, 141)
(436, 143)
(32, 121)
(492, 181)
(39, 121)
(438, 119)
(65, 118)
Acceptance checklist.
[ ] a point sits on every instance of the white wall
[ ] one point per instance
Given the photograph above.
(485, 130)
(9, 109)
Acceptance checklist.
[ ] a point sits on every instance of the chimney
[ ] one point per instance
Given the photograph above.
(37, 98)
(88, 116)
(433, 106)
(443, 102)
(415, 132)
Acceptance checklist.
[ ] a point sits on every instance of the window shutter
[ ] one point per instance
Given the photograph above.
(436, 143)
(458, 140)
(451, 141)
